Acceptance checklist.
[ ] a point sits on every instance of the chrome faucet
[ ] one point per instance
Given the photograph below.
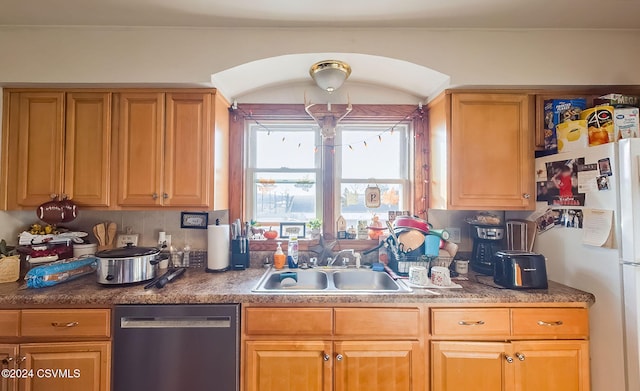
(331, 261)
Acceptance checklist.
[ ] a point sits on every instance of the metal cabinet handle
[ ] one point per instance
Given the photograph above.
(326, 357)
(165, 195)
(339, 357)
(154, 196)
(53, 196)
(472, 323)
(21, 359)
(508, 358)
(520, 356)
(555, 323)
(526, 196)
(7, 360)
(60, 324)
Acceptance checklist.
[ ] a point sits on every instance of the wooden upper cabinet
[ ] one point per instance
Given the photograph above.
(482, 151)
(140, 148)
(88, 148)
(39, 132)
(188, 151)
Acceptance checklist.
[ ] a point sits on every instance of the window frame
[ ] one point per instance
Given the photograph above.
(249, 113)
(251, 156)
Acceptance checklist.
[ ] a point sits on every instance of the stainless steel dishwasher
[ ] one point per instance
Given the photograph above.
(176, 347)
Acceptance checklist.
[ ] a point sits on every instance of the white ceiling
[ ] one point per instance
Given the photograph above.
(273, 72)
(343, 13)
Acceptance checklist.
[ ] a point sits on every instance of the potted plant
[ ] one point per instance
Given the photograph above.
(315, 225)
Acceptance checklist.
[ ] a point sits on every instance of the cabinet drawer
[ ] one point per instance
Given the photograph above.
(66, 323)
(288, 321)
(377, 322)
(462, 323)
(550, 322)
(9, 323)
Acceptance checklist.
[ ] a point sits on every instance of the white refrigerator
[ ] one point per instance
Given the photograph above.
(609, 178)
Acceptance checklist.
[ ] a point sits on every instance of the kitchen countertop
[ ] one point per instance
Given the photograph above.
(198, 287)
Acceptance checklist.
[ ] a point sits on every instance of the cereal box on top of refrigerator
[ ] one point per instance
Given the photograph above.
(557, 111)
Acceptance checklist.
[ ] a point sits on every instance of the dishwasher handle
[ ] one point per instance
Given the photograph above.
(176, 322)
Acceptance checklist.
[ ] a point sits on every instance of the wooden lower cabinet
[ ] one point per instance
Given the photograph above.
(8, 353)
(66, 366)
(515, 366)
(285, 365)
(378, 366)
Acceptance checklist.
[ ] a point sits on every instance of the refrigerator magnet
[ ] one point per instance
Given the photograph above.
(604, 165)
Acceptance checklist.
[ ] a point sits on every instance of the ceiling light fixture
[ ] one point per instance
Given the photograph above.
(330, 74)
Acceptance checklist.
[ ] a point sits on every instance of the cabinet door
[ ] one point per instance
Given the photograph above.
(66, 366)
(140, 148)
(491, 151)
(40, 164)
(551, 365)
(188, 154)
(88, 148)
(478, 366)
(378, 366)
(8, 353)
(284, 365)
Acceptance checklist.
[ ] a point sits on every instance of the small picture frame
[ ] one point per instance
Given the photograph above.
(293, 229)
(194, 220)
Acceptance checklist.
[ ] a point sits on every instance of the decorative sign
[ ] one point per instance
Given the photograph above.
(372, 197)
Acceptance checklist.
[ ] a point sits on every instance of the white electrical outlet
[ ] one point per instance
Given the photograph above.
(454, 234)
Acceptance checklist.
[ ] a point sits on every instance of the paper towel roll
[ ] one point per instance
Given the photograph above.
(217, 248)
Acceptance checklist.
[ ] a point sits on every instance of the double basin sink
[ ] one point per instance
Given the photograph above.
(328, 281)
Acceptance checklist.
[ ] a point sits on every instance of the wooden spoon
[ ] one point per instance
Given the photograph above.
(111, 233)
(100, 232)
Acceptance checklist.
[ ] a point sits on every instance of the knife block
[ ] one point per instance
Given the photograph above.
(240, 254)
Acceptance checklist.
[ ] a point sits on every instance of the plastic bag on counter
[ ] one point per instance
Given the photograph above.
(61, 271)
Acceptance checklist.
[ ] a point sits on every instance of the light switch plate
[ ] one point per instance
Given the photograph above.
(454, 234)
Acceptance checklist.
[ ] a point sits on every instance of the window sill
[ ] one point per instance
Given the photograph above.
(304, 244)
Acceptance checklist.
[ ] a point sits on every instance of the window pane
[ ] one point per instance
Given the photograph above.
(296, 151)
(352, 206)
(378, 159)
(285, 196)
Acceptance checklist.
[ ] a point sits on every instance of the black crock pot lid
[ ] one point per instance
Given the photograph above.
(127, 252)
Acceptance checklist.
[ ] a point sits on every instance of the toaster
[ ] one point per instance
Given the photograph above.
(519, 270)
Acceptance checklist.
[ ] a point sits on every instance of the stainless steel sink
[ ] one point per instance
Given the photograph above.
(309, 280)
(364, 280)
(328, 281)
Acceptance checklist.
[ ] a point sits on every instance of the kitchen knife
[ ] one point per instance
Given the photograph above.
(164, 280)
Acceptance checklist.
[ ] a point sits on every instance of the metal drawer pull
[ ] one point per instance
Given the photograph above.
(508, 358)
(520, 356)
(556, 323)
(326, 357)
(466, 323)
(339, 357)
(59, 324)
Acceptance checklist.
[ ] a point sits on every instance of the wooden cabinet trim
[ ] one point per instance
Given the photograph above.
(548, 323)
(380, 323)
(9, 323)
(68, 323)
(288, 321)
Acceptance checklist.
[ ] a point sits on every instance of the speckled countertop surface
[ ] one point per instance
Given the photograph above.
(198, 287)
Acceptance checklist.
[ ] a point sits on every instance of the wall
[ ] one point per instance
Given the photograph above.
(190, 56)
(145, 223)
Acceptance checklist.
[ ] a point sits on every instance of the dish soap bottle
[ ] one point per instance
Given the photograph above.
(279, 258)
(292, 250)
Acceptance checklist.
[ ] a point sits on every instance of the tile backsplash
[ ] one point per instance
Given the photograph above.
(145, 223)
